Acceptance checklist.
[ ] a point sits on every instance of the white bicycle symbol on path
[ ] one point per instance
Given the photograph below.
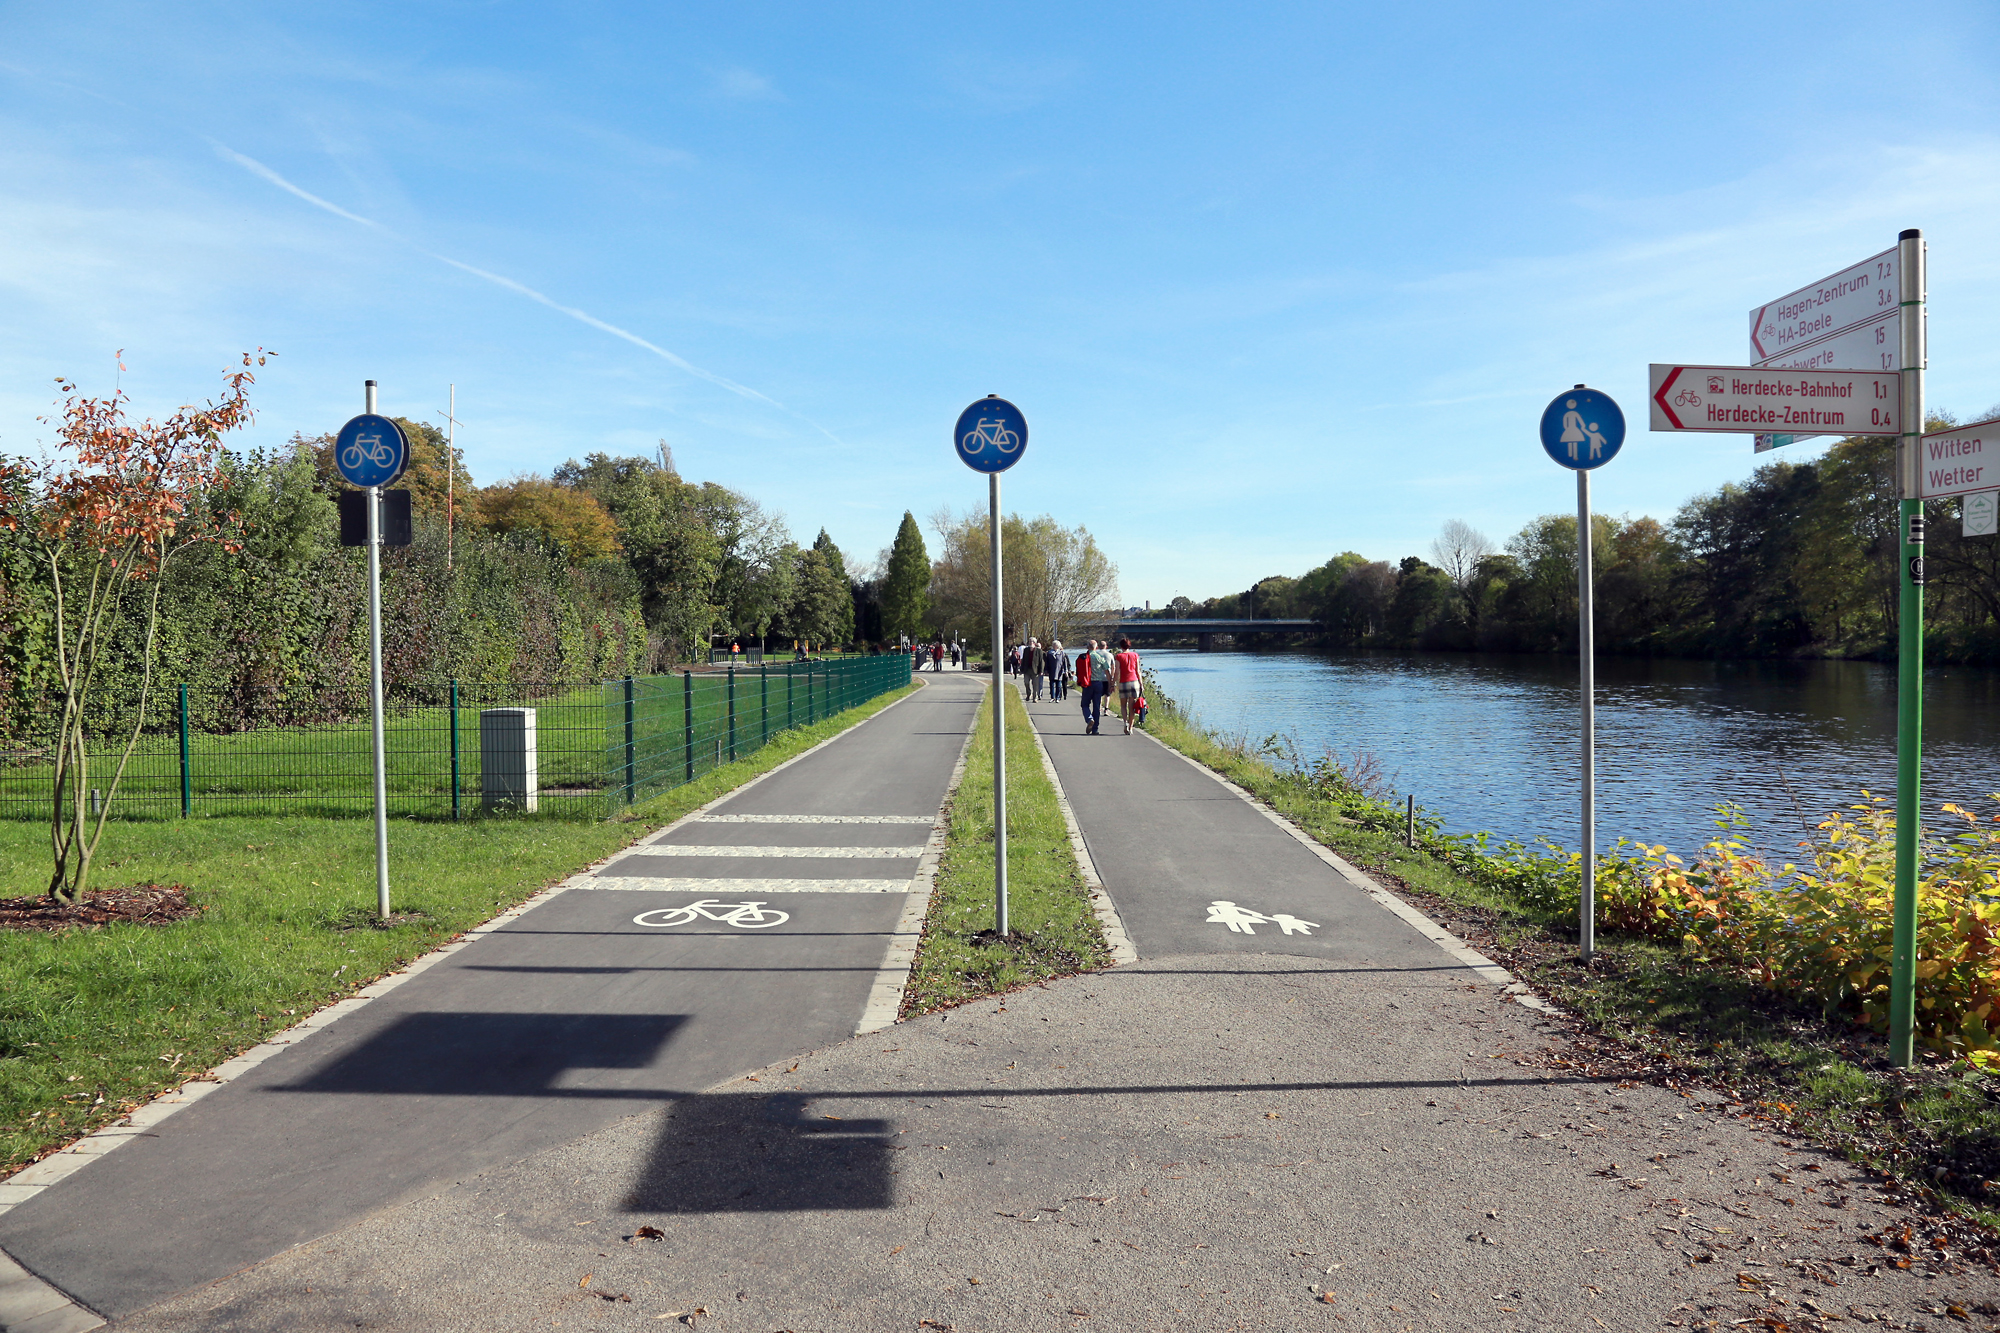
(747, 916)
(370, 449)
(987, 432)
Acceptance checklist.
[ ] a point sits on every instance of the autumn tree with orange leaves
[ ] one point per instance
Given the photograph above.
(104, 514)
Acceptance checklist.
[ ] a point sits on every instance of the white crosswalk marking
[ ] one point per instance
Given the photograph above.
(816, 819)
(910, 853)
(745, 887)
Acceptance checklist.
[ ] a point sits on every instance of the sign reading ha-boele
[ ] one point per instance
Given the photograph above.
(1747, 399)
(1961, 461)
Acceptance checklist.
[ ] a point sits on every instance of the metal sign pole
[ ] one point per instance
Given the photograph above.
(375, 685)
(1909, 654)
(1587, 688)
(999, 723)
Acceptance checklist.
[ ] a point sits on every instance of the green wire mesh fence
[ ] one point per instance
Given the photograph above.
(666, 730)
(199, 754)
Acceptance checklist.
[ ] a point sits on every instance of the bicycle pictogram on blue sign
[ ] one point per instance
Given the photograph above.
(370, 451)
(990, 435)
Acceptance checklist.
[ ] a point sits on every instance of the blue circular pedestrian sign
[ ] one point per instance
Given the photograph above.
(370, 451)
(991, 435)
(1582, 429)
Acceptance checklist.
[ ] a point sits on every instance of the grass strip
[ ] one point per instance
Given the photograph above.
(94, 1022)
(1650, 1011)
(1054, 932)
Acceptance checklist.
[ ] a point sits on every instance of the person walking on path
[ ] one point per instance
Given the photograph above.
(1058, 664)
(1088, 688)
(1031, 671)
(1102, 674)
(937, 657)
(1127, 664)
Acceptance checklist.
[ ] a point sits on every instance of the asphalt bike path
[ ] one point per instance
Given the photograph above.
(770, 925)
(1347, 1124)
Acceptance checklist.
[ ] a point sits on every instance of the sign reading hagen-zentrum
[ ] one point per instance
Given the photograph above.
(1746, 399)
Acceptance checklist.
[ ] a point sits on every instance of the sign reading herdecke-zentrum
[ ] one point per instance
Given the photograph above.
(1749, 399)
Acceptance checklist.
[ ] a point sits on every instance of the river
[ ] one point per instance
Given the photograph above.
(1489, 741)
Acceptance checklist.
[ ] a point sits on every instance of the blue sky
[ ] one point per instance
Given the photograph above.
(1270, 282)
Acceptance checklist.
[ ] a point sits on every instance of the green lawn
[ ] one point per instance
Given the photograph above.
(326, 768)
(95, 1021)
(1054, 931)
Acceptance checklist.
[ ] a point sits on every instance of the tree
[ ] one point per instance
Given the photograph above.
(1058, 580)
(105, 522)
(1458, 551)
(906, 586)
(569, 521)
(664, 526)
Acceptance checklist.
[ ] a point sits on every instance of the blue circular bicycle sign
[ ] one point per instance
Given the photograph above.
(1582, 429)
(991, 435)
(370, 451)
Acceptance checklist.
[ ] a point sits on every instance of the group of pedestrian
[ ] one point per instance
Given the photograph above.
(1044, 671)
(1099, 671)
(937, 654)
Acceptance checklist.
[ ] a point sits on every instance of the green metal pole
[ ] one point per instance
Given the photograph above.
(763, 704)
(187, 772)
(631, 746)
(732, 713)
(810, 700)
(687, 720)
(790, 675)
(454, 751)
(1911, 280)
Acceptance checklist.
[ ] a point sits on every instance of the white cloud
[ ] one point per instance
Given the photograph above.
(745, 86)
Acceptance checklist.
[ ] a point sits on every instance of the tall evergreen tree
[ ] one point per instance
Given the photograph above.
(906, 589)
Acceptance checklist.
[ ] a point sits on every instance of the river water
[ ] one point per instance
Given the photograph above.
(1489, 741)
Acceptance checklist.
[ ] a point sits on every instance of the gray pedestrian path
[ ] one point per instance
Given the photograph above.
(593, 1006)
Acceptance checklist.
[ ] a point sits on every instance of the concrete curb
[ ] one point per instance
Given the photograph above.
(1122, 949)
(885, 997)
(1423, 925)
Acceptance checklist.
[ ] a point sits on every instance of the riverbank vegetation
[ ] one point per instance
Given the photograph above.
(1054, 930)
(96, 1020)
(1799, 560)
(1763, 978)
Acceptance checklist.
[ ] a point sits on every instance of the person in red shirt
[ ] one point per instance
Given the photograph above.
(1125, 665)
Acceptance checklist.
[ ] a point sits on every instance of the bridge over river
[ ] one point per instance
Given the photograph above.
(1204, 631)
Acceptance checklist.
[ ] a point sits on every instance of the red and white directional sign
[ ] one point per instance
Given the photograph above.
(1839, 302)
(1876, 345)
(1749, 400)
(1961, 461)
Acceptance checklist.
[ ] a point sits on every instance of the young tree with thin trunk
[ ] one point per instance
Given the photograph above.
(104, 516)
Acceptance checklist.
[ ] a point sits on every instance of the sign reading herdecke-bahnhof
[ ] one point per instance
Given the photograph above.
(1744, 398)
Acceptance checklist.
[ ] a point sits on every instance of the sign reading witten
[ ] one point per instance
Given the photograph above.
(1960, 461)
(1834, 304)
(1748, 400)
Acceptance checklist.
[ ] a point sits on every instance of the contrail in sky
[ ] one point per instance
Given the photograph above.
(258, 169)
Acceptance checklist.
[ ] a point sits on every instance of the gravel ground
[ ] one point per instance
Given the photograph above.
(1254, 1142)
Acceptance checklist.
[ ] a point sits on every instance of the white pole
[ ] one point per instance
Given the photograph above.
(450, 472)
(1587, 687)
(999, 725)
(375, 685)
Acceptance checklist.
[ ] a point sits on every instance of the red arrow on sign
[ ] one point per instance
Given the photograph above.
(1756, 347)
(1661, 397)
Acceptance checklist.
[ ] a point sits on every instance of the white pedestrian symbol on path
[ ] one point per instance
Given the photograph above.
(1243, 921)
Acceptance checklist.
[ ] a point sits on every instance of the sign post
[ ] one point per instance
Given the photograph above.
(1872, 313)
(1581, 430)
(990, 437)
(371, 452)
(1909, 653)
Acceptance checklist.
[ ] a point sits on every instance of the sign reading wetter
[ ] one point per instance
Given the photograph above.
(1961, 461)
(1749, 400)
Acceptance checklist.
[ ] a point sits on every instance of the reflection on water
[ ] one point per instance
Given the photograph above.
(1490, 740)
